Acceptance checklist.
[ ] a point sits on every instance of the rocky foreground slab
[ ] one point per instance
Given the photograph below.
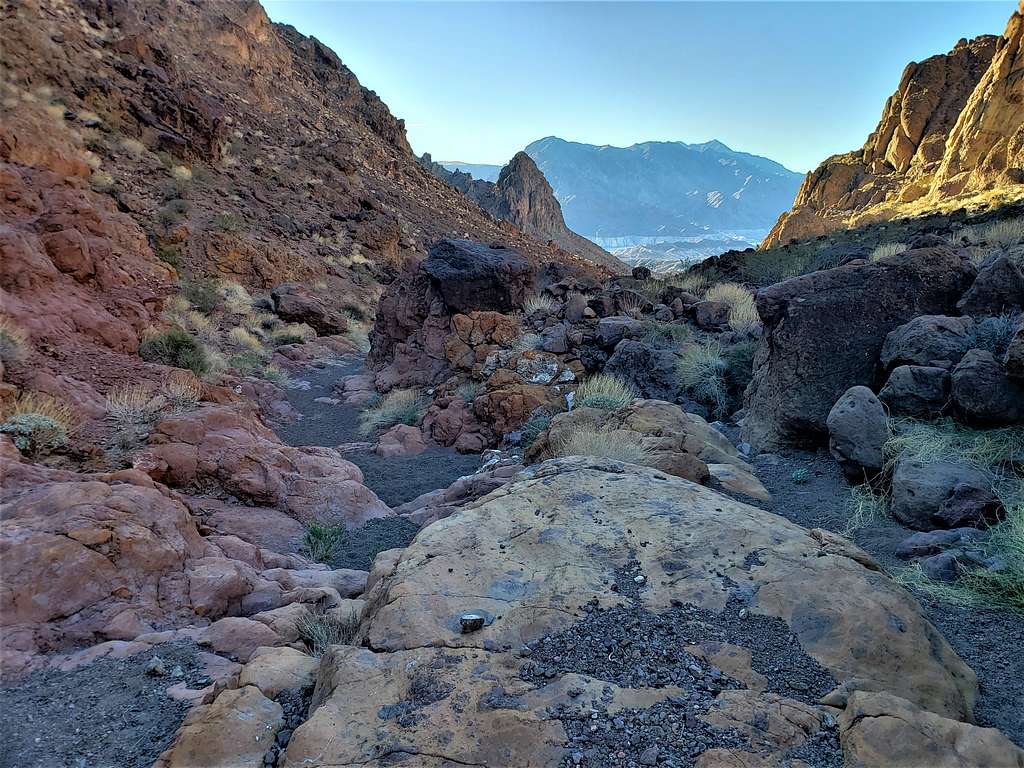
(629, 617)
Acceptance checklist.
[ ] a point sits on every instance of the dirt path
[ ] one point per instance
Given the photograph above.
(988, 640)
(395, 480)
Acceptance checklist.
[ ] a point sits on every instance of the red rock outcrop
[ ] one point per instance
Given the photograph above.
(951, 135)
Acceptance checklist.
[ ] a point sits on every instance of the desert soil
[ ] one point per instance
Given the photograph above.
(395, 480)
(107, 713)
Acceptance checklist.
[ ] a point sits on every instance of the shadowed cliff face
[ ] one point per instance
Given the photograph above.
(523, 197)
(951, 135)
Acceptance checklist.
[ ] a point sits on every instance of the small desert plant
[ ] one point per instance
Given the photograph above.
(182, 390)
(886, 250)
(701, 371)
(631, 304)
(533, 428)
(131, 405)
(37, 424)
(168, 254)
(605, 392)
(175, 347)
(274, 374)
(945, 440)
(248, 363)
(321, 629)
(245, 340)
(181, 173)
(743, 316)
(539, 302)
(660, 334)
(527, 342)
(133, 146)
(469, 391)
(729, 294)
(739, 367)
(176, 309)
(867, 505)
(994, 334)
(227, 222)
(800, 476)
(173, 212)
(691, 282)
(293, 333)
(13, 341)
(202, 294)
(603, 444)
(400, 406)
(320, 542)
(235, 298)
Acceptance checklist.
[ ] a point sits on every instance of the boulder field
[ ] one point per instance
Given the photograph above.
(592, 612)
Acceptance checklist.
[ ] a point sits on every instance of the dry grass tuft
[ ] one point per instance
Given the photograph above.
(131, 405)
(400, 406)
(320, 630)
(183, 390)
(617, 445)
(701, 370)
(540, 302)
(605, 392)
(1003, 233)
(886, 250)
(244, 339)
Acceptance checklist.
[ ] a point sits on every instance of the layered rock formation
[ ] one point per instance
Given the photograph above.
(523, 196)
(951, 135)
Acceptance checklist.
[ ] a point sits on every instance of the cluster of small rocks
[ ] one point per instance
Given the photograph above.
(295, 704)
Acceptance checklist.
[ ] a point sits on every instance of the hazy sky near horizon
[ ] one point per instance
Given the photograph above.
(793, 81)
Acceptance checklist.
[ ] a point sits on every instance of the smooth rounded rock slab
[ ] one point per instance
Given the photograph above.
(533, 554)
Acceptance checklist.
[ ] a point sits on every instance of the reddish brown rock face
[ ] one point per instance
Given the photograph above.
(953, 130)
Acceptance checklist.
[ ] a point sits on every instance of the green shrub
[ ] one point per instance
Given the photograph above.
(800, 476)
(400, 406)
(227, 222)
(661, 334)
(701, 371)
(202, 294)
(469, 391)
(533, 428)
(37, 424)
(247, 363)
(321, 542)
(739, 368)
(177, 348)
(605, 392)
(172, 213)
(169, 255)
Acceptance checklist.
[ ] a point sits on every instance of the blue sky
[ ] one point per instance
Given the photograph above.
(793, 81)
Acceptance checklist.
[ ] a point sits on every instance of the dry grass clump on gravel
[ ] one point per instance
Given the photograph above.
(540, 302)
(886, 250)
(400, 406)
(999, 233)
(131, 405)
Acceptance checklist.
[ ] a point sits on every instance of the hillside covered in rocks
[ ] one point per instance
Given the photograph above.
(951, 136)
(308, 459)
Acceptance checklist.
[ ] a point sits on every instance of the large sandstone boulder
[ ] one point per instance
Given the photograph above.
(229, 446)
(858, 428)
(471, 276)
(570, 543)
(824, 333)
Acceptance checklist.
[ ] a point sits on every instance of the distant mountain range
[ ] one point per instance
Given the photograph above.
(663, 188)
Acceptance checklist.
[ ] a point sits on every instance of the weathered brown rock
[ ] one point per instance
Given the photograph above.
(879, 730)
(229, 446)
(297, 304)
(824, 332)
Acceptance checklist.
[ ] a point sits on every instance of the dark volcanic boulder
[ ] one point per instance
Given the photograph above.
(858, 429)
(1014, 360)
(650, 369)
(916, 390)
(472, 276)
(928, 340)
(998, 289)
(983, 393)
(823, 334)
(297, 304)
(920, 489)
